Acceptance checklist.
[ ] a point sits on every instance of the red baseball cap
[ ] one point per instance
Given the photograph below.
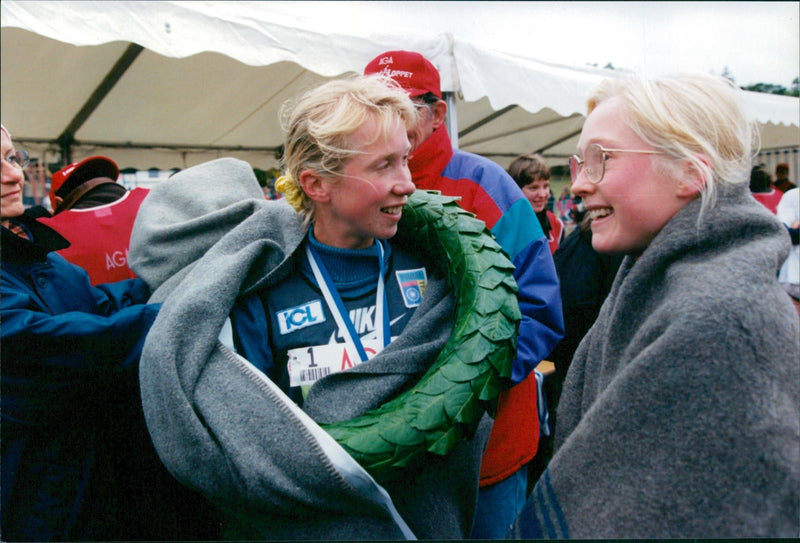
(412, 71)
(71, 177)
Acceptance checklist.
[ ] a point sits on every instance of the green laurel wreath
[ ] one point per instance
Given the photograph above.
(464, 381)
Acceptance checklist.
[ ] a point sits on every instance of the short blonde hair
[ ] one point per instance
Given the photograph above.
(687, 115)
(319, 123)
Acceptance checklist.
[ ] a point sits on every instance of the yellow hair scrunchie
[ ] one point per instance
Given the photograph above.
(291, 191)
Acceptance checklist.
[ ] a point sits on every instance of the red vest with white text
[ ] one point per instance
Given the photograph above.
(100, 236)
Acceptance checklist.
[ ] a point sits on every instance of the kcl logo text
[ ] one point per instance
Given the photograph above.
(301, 316)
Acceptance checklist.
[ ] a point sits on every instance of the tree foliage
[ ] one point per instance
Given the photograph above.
(771, 88)
(766, 88)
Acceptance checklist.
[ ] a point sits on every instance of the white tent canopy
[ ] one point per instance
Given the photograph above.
(172, 84)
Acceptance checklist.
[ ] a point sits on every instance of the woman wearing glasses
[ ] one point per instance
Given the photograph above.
(680, 413)
(69, 364)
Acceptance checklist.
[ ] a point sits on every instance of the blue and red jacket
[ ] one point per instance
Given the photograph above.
(489, 192)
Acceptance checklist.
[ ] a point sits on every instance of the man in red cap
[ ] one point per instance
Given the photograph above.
(486, 190)
(96, 214)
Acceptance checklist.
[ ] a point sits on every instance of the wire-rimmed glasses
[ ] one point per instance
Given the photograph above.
(594, 161)
(18, 159)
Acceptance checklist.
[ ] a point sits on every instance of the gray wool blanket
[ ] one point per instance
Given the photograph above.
(204, 238)
(680, 414)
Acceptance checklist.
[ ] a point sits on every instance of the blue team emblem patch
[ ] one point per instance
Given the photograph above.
(412, 285)
(299, 317)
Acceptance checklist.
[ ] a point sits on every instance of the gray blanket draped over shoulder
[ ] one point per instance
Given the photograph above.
(204, 238)
(680, 414)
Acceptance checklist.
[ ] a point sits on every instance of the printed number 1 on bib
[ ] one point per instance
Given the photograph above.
(307, 365)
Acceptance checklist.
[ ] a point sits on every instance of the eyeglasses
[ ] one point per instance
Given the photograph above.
(594, 161)
(425, 101)
(421, 106)
(18, 159)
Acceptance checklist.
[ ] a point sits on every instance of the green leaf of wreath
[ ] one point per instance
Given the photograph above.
(465, 379)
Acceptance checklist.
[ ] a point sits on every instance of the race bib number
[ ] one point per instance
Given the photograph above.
(307, 365)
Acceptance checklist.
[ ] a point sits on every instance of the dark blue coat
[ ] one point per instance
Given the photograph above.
(69, 362)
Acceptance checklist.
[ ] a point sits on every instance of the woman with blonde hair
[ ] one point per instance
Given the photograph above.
(680, 413)
(324, 317)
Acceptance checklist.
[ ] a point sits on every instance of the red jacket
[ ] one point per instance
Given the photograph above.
(99, 236)
(770, 199)
(556, 231)
(487, 191)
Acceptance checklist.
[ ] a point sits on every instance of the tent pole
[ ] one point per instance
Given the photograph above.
(65, 141)
(486, 120)
(67, 137)
(451, 121)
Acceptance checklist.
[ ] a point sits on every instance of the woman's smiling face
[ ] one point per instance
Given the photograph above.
(537, 192)
(633, 201)
(11, 186)
(365, 201)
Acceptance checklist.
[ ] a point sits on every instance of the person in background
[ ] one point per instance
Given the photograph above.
(487, 191)
(77, 463)
(532, 175)
(762, 189)
(293, 288)
(565, 205)
(95, 213)
(680, 412)
(782, 182)
(788, 212)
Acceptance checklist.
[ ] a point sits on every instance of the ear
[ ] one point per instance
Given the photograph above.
(439, 113)
(314, 186)
(59, 201)
(693, 179)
